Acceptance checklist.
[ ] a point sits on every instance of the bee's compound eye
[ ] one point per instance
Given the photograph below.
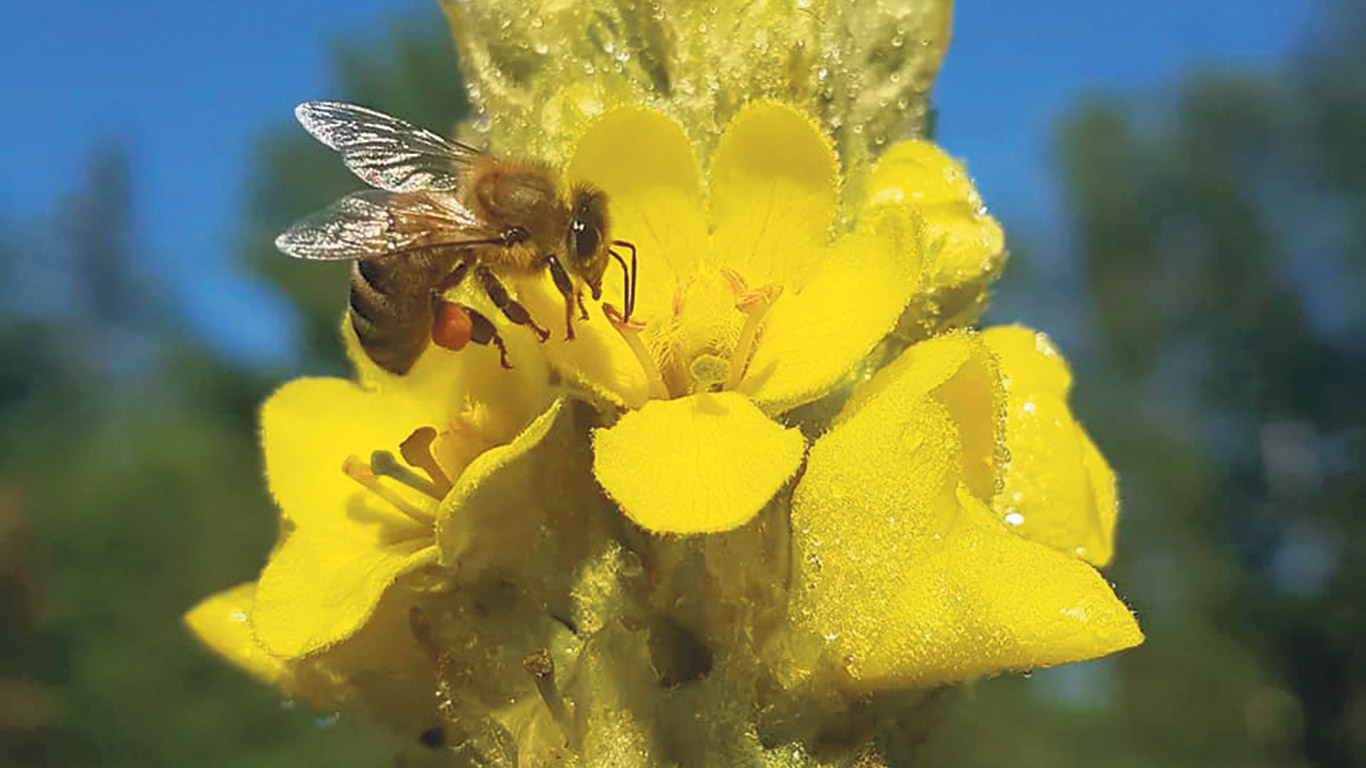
(452, 327)
(586, 239)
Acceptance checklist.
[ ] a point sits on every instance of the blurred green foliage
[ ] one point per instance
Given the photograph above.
(1221, 235)
(130, 480)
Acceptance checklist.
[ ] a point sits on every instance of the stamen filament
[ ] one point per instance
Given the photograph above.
(755, 305)
(630, 331)
(362, 473)
(542, 670)
(385, 465)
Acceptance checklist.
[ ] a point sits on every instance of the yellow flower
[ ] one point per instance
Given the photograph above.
(358, 471)
(892, 512)
(385, 562)
(750, 308)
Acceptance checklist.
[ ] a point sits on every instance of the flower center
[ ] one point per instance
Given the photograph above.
(706, 343)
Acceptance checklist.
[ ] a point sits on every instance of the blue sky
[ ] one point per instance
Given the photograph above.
(190, 85)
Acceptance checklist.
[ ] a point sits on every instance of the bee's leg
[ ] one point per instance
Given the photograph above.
(583, 311)
(452, 279)
(566, 288)
(483, 332)
(511, 308)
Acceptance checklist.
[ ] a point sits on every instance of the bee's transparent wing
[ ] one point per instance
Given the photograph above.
(384, 151)
(376, 223)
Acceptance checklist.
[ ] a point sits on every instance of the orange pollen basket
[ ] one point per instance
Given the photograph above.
(452, 327)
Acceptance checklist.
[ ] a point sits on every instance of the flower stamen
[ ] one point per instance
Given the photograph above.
(364, 474)
(417, 451)
(755, 305)
(539, 665)
(385, 464)
(630, 331)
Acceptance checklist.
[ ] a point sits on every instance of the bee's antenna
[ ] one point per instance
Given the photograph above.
(629, 276)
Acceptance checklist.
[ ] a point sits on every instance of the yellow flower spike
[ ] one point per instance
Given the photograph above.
(774, 187)
(1058, 489)
(697, 464)
(813, 337)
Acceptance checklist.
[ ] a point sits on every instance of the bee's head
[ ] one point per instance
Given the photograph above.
(587, 242)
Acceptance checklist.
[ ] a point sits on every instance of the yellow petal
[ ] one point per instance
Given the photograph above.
(965, 250)
(643, 161)
(528, 508)
(964, 247)
(919, 172)
(774, 185)
(444, 383)
(1047, 494)
(959, 372)
(1057, 490)
(815, 335)
(221, 622)
(1029, 359)
(1106, 498)
(916, 372)
(321, 586)
(597, 359)
(877, 493)
(696, 464)
(308, 429)
(986, 602)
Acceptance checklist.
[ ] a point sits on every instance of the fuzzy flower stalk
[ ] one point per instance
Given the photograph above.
(765, 521)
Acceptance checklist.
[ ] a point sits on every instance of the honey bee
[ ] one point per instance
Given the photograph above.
(441, 211)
